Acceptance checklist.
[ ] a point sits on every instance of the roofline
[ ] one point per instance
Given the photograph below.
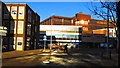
(56, 17)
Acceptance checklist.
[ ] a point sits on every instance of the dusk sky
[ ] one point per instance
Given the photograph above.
(66, 9)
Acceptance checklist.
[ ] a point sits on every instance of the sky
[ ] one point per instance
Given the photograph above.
(65, 9)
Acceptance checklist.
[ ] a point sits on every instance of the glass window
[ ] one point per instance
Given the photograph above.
(29, 15)
(58, 20)
(68, 21)
(28, 29)
(19, 43)
(20, 27)
(21, 12)
(14, 12)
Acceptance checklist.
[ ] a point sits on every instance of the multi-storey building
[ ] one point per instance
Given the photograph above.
(61, 34)
(83, 21)
(22, 25)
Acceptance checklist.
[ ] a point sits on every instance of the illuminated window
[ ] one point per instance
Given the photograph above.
(14, 12)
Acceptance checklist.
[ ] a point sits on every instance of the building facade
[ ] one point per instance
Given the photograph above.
(61, 34)
(88, 27)
(22, 25)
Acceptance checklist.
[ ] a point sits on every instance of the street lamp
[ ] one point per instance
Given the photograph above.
(51, 31)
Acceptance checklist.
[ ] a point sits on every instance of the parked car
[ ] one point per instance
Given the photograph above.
(54, 46)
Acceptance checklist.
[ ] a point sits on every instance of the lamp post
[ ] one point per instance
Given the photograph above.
(107, 29)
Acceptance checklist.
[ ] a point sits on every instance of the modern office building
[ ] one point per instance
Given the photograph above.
(80, 25)
(61, 34)
(22, 25)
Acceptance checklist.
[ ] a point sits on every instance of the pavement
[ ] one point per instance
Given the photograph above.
(74, 58)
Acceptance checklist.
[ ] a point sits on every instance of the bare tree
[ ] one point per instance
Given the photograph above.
(108, 11)
(118, 21)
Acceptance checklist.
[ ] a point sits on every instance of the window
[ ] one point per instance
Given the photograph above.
(58, 20)
(29, 15)
(19, 43)
(21, 12)
(29, 29)
(68, 21)
(14, 12)
(20, 27)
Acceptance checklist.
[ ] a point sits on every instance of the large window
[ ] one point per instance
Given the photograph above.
(20, 27)
(21, 12)
(67, 21)
(14, 12)
(66, 36)
(95, 27)
(19, 43)
(59, 20)
(29, 15)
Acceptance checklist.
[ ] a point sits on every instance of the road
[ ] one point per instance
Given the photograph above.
(74, 57)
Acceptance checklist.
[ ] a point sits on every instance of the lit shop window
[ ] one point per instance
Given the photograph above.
(21, 12)
(20, 27)
(14, 12)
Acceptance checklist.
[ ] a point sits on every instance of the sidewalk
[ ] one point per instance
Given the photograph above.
(15, 54)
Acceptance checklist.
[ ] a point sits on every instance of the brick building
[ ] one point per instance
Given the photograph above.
(87, 26)
(22, 25)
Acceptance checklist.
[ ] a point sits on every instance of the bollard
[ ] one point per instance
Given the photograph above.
(110, 55)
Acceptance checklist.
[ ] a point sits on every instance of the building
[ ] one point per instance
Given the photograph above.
(22, 25)
(87, 26)
(61, 34)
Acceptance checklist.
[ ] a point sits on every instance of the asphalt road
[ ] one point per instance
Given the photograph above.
(74, 58)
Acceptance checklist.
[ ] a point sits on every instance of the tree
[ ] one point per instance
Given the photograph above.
(109, 11)
(118, 21)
